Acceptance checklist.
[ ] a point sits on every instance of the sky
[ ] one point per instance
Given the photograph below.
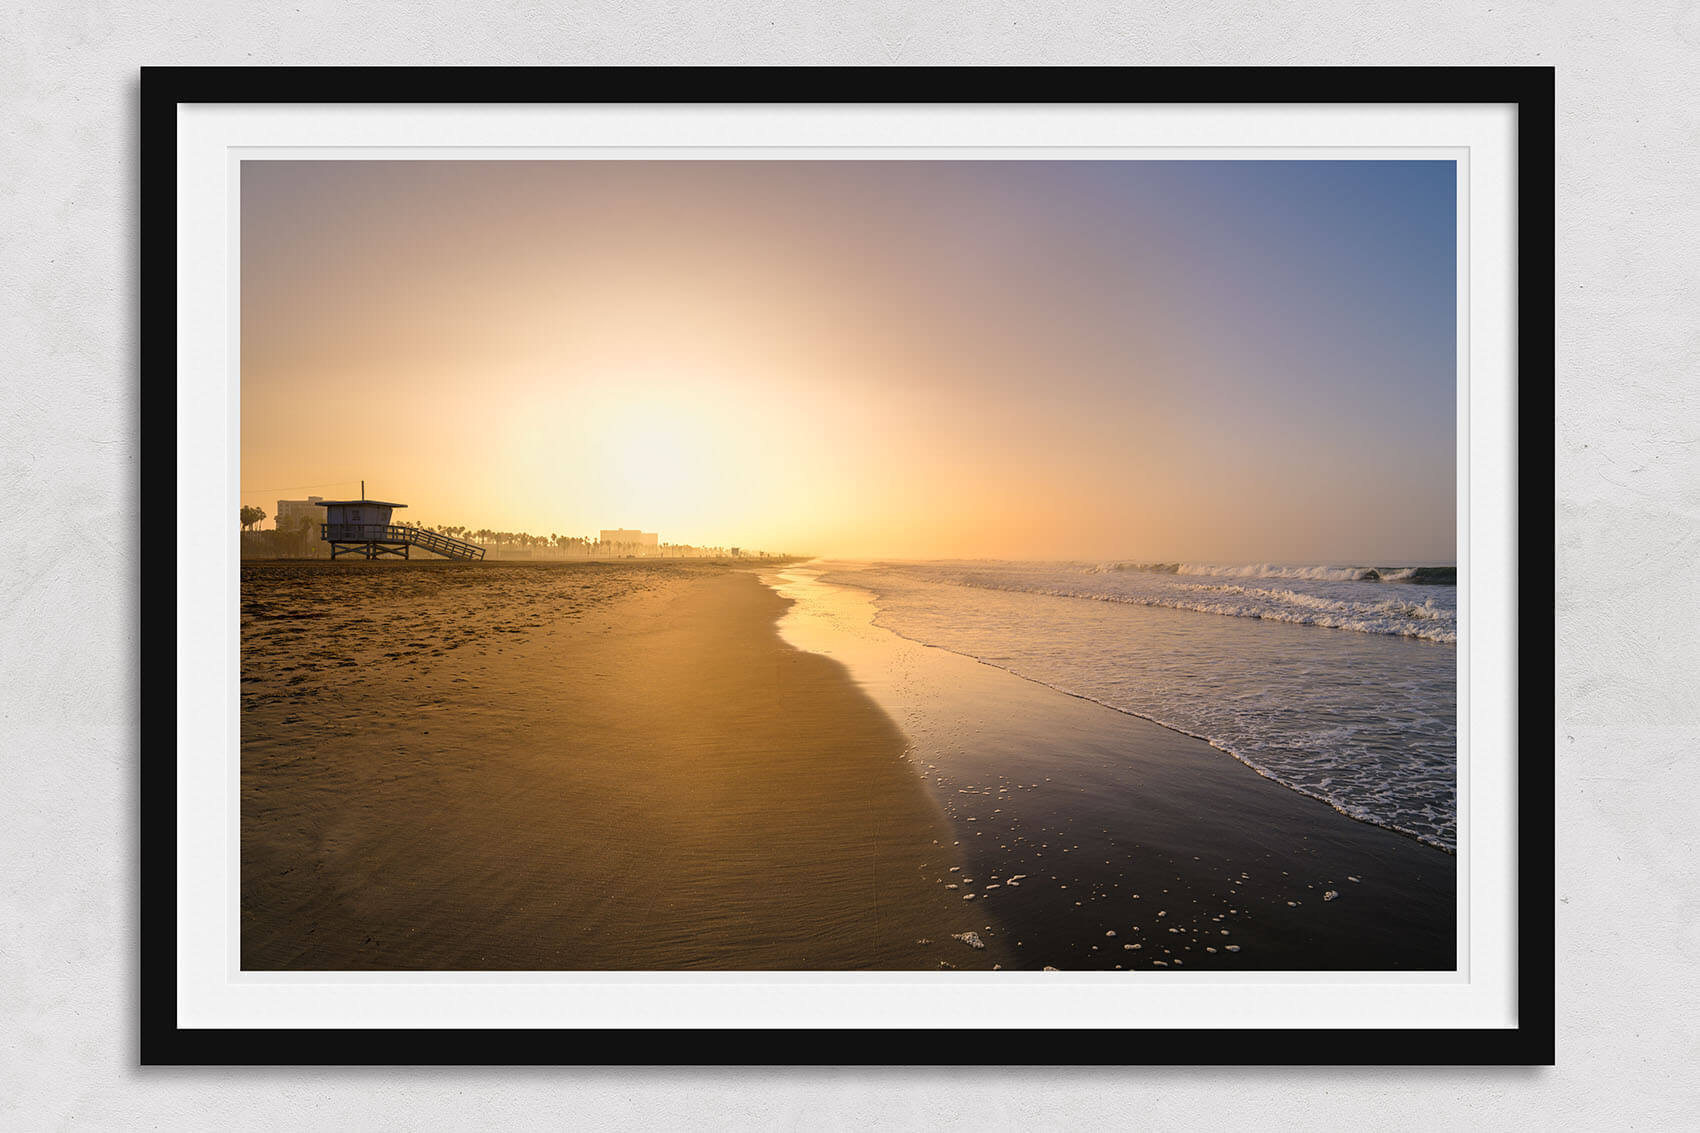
(1218, 361)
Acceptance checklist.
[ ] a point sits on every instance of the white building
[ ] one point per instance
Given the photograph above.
(620, 535)
(291, 513)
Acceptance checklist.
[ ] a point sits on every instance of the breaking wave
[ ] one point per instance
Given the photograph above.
(1357, 599)
(1418, 575)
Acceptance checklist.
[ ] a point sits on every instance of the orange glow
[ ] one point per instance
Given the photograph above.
(861, 359)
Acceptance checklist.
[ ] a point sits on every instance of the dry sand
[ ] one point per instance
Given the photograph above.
(574, 766)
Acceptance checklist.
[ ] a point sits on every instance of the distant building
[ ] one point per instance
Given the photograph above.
(647, 539)
(291, 514)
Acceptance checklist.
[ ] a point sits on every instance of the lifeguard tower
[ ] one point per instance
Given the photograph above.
(363, 527)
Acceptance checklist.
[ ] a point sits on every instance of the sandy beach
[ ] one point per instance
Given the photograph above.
(603, 766)
(647, 766)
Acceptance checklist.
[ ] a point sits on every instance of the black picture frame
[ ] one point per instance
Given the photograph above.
(1529, 89)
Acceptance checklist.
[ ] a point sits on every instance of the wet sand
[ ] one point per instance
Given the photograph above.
(571, 767)
(629, 766)
(1095, 839)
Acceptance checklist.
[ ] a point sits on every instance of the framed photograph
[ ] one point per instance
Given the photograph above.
(773, 567)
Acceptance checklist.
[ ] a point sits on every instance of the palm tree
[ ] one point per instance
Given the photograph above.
(251, 515)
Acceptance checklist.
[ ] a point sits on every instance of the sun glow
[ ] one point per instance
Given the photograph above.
(656, 454)
(1039, 359)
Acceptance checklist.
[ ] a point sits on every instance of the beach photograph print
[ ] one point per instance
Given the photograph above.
(835, 565)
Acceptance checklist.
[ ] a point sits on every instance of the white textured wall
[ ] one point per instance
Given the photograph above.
(1628, 435)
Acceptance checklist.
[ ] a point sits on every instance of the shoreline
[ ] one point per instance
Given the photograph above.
(1179, 731)
(1135, 845)
(1366, 723)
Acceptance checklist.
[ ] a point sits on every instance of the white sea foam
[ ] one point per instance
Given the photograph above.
(1365, 720)
(1244, 570)
(1343, 598)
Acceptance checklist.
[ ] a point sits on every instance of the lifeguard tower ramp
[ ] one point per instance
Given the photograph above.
(362, 527)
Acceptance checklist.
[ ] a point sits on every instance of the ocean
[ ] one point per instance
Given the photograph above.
(1336, 681)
